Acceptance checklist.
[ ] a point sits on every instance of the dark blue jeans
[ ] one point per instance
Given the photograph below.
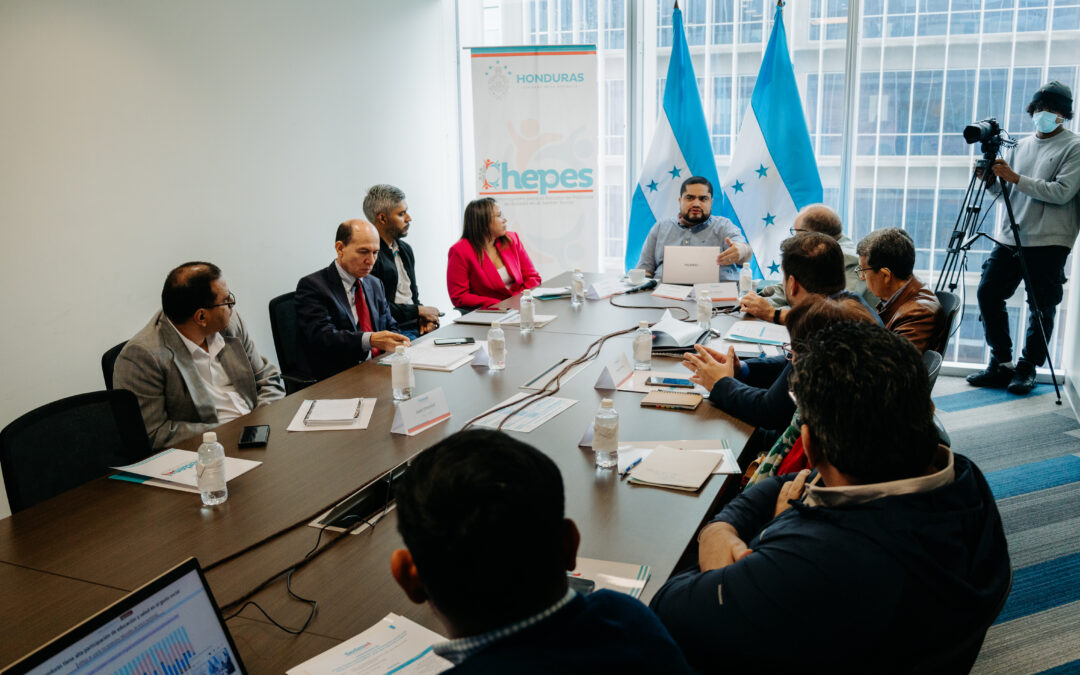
(1000, 279)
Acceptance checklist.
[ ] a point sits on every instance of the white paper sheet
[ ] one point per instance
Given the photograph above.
(540, 320)
(394, 645)
(359, 423)
(485, 318)
(528, 419)
(762, 332)
(177, 467)
(684, 333)
(605, 289)
(550, 292)
(672, 468)
(672, 291)
(637, 384)
(729, 463)
(615, 576)
(427, 355)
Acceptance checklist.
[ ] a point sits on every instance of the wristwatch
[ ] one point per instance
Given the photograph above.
(776, 315)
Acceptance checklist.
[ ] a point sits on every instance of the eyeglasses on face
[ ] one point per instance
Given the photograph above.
(861, 271)
(797, 230)
(229, 302)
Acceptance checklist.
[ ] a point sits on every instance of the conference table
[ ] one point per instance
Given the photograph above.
(66, 558)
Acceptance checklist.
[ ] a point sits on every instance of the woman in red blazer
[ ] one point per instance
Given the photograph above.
(488, 264)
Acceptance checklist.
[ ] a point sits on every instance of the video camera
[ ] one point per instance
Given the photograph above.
(988, 133)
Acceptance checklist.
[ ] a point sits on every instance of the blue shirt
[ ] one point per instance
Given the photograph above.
(713, 232)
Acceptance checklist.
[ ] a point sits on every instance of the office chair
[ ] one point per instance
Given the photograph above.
(108, 361)
(283, 327)
(64, 444)
(950, 306)
(932, 360)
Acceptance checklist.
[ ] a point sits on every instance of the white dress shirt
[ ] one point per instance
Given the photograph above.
(227, 400)
(403, 294)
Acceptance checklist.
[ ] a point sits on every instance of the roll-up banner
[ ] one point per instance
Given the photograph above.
(535, 128)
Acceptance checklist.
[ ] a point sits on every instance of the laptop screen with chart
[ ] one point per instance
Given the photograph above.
(169, 626)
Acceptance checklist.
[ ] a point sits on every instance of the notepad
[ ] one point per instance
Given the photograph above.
(676, 469)
(760, 332)
(671, 400)
(672, 291)
(325, 411)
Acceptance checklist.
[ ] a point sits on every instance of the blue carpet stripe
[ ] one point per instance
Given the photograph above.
(1042, 586)
(975, 398)
(1035, 476)
(1071, 668)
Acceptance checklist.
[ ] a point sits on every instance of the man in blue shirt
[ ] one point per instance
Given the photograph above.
(696, 226)
(489, 547)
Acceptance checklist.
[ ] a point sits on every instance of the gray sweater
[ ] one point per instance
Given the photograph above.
(1045, 202)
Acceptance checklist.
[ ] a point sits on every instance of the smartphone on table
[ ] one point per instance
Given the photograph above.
(654, 381)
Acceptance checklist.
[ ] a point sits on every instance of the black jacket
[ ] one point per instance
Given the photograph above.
(385, 270)
(889, 585)
(760, 397)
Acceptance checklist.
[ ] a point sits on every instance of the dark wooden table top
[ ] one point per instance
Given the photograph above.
(119, 535)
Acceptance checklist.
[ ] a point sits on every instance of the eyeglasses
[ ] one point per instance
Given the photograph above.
(789, 354)
(229, 302)
(794, 231)
(861, 271)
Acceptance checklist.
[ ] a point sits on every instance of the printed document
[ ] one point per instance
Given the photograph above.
(761, 332)
(394, 645)
(528, 419)
(175, 469)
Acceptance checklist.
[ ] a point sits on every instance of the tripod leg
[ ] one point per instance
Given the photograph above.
(1029, 288)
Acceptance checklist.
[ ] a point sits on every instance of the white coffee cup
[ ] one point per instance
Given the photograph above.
(637, 276)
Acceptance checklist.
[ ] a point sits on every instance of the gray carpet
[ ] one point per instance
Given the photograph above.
(1029, 449)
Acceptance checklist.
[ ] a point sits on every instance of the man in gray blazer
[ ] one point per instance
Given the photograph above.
(194, 366)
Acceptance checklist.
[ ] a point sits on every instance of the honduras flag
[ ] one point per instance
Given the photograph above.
(773, 172)
(680, 148)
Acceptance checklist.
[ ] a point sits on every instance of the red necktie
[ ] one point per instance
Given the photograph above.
(363, 315)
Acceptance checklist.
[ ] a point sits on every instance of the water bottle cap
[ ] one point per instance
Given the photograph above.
(495, 324)
(526, 294)
(746, 265)
(607, 403)
(209, 437)
(400, 349)
(643, 324)
(577, 270)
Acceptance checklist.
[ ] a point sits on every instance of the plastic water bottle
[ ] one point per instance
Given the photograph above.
(210, 471)
(704, 310)
(496, 347)
(643, 347)
(606, 435)
(527, 312)
(577, 289)
(401, 374)
(746, 280)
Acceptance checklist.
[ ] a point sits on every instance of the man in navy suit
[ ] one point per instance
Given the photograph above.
(342, 314)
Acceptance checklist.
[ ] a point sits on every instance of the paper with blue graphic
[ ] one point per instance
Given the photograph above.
(773, 172)
(175, 469)
(681, 147)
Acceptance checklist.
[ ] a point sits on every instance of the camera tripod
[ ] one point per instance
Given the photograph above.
(966, 233)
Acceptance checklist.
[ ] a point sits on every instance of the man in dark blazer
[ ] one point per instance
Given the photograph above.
(386, 208)
(342, 314)
(194, 366)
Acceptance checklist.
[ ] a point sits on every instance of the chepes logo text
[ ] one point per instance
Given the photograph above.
(549, 78)
(496, 175)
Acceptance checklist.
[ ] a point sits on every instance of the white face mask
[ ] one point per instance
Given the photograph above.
(1045, 121)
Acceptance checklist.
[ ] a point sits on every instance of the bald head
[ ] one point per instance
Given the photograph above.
(357, 247)
(819, 218)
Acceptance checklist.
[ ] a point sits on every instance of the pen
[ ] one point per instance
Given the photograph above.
(631, 467)
(530, 382)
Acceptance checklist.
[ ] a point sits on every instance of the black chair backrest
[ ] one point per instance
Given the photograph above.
(933, 365)
(64, 444)
(108, 361)
(950, 307)
(283, 326)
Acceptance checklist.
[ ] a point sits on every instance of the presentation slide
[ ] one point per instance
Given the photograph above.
(174, 631)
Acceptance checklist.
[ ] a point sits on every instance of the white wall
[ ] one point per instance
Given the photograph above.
(137, 135)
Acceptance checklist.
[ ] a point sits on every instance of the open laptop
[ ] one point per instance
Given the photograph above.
(170, 625)
(690, 264)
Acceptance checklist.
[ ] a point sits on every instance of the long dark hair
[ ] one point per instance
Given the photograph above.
(478, 216)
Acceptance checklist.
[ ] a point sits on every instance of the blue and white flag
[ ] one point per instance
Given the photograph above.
(773, 172)
(680, 148)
